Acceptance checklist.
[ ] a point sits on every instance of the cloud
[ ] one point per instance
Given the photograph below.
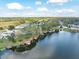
(58, 1)
(28, 7)
(38, 3)
(42, 9)
(14, 6)
(65, 11)
(12, 14)
(9, 14)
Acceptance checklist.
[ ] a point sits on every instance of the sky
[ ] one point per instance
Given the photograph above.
(39, 8)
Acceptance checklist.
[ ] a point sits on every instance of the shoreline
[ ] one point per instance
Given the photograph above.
(30, 43)
(36, 38)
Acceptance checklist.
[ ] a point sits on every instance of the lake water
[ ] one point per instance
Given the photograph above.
(62, 45)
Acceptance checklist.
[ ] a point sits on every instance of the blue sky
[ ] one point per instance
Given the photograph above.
(39, 8)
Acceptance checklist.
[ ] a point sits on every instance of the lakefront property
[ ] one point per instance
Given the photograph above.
(39, 29)
(25, 32)
(22, 35)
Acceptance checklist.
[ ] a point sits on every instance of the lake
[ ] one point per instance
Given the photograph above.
(62, 45)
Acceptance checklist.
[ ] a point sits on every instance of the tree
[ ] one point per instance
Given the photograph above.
(1, 28)
(11, 27)
(12, 37)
